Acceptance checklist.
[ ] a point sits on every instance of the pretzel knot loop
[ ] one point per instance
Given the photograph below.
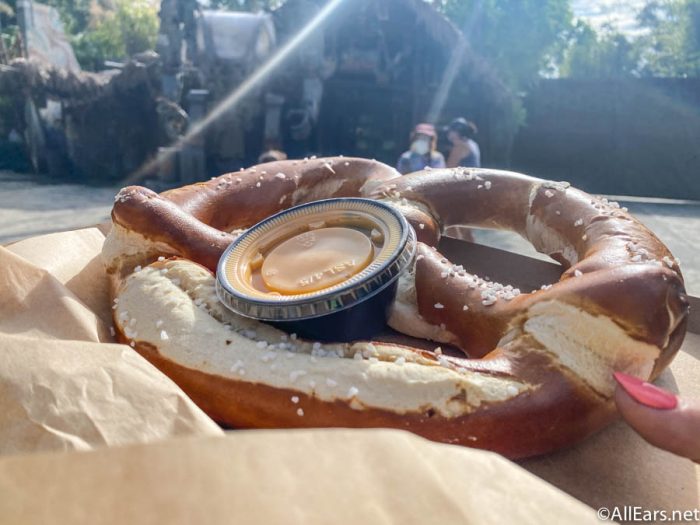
(535, 369)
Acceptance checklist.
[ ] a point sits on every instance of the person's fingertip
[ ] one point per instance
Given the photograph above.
(646, 393)
(673, 429)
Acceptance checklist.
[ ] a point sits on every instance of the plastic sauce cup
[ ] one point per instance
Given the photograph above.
(327, 270)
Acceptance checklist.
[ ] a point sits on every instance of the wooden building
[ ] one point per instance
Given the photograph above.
(374, 70)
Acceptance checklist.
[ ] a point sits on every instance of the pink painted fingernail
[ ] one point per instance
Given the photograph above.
(646, 393)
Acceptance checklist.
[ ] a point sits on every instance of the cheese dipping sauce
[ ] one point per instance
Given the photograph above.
(316, 261)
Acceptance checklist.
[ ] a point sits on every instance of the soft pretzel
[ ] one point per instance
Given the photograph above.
(538, 372)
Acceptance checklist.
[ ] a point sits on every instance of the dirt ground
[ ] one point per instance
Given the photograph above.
(29, 206)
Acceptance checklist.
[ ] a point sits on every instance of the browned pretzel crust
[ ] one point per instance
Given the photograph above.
(538, 376)
(615, 266)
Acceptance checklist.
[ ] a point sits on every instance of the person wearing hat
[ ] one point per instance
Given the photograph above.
(465, 151)
(423, 153)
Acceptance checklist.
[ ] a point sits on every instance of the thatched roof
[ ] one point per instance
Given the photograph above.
(41, 80)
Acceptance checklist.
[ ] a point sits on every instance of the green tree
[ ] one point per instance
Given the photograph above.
(671, 44)
(115, 34)
(99, 30)
(519, 37)
(9, 32)
(592, 54)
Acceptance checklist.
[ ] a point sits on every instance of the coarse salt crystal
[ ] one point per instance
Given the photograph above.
(578, 273)
(300, 412)
(439, 306)
(295, 399)
(269, 356)
(164, 335)
(465, 308)
(400, 360)
(487, 184)
(549, 194)
(296, 374)
(280, 176)
(353, 391)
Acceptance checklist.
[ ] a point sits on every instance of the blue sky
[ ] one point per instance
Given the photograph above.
(619, 13)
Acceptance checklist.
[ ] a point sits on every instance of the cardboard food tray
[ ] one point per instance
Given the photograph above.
(65, 386)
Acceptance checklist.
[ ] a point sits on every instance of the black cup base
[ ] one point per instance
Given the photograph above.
(361, 321)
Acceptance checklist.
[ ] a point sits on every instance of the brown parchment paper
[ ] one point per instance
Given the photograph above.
(65, 385)
(62, 385)
(615, 467)
(281, 477)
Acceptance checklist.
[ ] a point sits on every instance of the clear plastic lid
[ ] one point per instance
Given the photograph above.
(394, 248)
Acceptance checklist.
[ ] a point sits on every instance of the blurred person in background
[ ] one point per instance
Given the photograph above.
(271, 155)
(465, 151)
(423, 153)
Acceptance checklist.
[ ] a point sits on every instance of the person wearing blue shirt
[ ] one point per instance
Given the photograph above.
(423, 152)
